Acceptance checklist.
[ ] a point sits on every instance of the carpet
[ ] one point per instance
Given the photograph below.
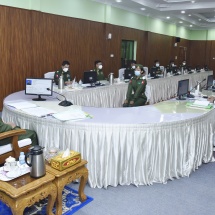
(70, 204)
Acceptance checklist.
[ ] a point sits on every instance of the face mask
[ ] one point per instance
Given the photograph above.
(157, 64)
(184, 63)
(100, 67)
(137, 73)
(133, 67)
(65, 69)
(173, 64)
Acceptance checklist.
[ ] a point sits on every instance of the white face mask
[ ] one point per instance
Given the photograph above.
(65, 69)
(184, 63)
(137, 72)
(133, 67)
(173, 64)
(157, 64)
(100, 66)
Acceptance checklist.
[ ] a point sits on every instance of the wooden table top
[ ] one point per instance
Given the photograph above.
(23, 184)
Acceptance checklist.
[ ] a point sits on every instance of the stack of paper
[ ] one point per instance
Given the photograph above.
(201, 104)
(21, 104)
(70, 115)
(39, 111)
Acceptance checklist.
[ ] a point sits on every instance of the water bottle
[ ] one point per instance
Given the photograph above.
(61, 83)
(22, 158)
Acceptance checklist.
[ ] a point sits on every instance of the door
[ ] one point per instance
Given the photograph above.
(127, 53)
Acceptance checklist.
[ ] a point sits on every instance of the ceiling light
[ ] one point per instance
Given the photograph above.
(180, 22)
(199, 19)
(189, 15)
(168, 17)
(192, 1)
(182, 11)
(118, 1)
(142, 8)
(191, 25)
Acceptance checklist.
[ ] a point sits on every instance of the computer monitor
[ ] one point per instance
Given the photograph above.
(183, 87)
(175, 70)
(39, 87)
(153, 72)
(198, 69)
(210, 80)
(90, 77)
(128, 74)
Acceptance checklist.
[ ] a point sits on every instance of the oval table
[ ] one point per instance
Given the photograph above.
(114, 95)
(139, 145)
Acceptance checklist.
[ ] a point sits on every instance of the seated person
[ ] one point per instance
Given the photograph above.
(64, 71)
(137, 85)
(98, 69)
(211, 99)
(11, 126)
(133, 63)
(155, 70)
(183, 65)
(171, 64)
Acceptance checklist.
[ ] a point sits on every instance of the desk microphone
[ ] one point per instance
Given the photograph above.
(197, 85)
(64, 103)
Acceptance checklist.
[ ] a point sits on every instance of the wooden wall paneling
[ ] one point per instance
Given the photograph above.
(183, 51)
(212, 57)
(159, 48)
(197, 53)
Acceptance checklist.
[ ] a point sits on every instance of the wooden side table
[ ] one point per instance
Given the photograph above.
(65, 177)
(24, 191)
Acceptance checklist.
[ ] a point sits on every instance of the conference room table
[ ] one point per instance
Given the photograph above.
(139, 145)
(161, 89)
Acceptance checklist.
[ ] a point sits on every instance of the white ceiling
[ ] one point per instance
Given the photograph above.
(198, 15)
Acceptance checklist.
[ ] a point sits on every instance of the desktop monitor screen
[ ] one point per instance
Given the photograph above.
(128, 74)
(38, 86)
(183, 87)
(90, 77)
(174, 70)
(210, 81)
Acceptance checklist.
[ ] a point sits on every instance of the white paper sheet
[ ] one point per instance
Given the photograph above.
(70, 115)
(39, 111)
(21, 104)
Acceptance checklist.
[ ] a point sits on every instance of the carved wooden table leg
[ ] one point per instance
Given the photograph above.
(65, 177)
(83, 182)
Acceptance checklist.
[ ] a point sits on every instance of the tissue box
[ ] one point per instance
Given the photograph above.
(59, 163)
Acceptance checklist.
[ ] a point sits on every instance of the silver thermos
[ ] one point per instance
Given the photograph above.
(61, 82)
(37, 162)
(111, 78)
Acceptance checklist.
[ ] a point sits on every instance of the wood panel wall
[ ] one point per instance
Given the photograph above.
(33, 43)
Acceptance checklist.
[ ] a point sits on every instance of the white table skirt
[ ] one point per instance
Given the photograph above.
(140, 153)
(114, 95)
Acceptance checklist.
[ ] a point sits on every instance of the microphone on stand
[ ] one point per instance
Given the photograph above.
(188, 93)
(64, 103)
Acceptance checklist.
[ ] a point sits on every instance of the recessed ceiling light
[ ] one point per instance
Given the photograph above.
(180, 22)
(192, 1)
(189, 15)
(168, 17)
(199, 19)
(182, 11)
(142, 8)
(118, 1)
(191, 25)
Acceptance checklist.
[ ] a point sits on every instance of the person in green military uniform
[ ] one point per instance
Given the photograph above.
(11, 126)
(136, 89)
(64, 71)
(98, 70)
(155, 70)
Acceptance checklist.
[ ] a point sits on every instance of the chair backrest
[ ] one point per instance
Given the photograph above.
(148, 93)
(146, 70)
(49, 75)
(15, 148)
(121, 73)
